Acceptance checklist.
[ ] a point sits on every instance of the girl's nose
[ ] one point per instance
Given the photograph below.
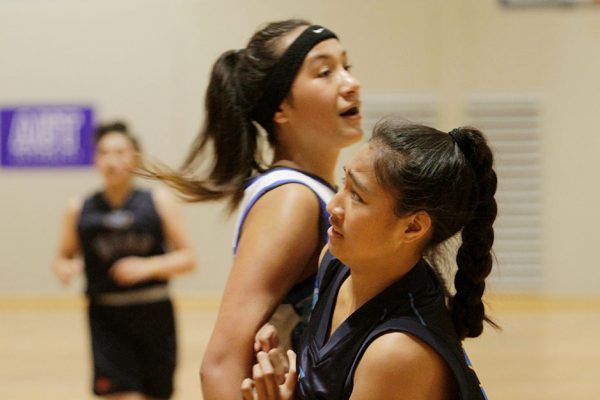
(350, 85)
(334, 207)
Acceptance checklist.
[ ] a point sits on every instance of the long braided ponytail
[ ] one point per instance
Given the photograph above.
(451, 177)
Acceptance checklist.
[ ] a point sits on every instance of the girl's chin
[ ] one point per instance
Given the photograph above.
(335, 248)
(354, 135)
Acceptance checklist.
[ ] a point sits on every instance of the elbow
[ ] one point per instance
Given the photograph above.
(211, 368)
(224, 365)
(205, 374)
(187, 261)
(192, 264)
(213, 381)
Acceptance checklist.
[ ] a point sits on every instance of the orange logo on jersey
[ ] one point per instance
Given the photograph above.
(102, 384)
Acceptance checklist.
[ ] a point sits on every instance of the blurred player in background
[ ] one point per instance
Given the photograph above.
(129, 242)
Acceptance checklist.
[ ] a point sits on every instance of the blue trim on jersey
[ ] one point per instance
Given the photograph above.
(470, 364)
(315, 295)
(324, 215)
(467, 359)
(301, 376)
(414, 308)
(483, 392)
(266, 189)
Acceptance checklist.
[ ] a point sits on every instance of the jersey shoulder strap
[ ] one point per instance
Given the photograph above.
(271, 180)
(468, 384)
(326, 272)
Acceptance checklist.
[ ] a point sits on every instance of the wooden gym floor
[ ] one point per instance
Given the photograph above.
(548, 348)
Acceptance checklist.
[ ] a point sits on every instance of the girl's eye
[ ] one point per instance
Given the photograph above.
(355, 196)
(324, 73)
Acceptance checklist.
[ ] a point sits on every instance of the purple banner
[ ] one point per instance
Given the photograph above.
(46, 136)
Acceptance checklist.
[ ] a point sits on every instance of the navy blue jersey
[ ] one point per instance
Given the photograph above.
(415, 304)
(108, 234)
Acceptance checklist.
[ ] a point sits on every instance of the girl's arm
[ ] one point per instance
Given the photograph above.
(279, 239)
(66, 265)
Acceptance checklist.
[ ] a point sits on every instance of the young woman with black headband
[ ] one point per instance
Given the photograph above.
(293, 80)
(384, 326)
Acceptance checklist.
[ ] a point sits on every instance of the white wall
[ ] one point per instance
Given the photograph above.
(148, 61)
(556, 53)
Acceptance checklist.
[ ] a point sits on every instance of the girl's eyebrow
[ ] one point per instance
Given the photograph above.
(357, 182)
(324, 56)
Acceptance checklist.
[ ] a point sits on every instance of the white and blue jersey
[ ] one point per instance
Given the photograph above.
(300, 296)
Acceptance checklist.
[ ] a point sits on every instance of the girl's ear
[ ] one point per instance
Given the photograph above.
(418, 226)
(280, 116)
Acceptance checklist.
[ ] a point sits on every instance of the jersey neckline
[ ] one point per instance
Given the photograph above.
(311, 175)
(372, 310)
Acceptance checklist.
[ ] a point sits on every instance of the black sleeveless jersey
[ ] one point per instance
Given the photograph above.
(415, 304)
(107, 235)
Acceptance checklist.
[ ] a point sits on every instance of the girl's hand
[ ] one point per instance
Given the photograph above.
(264, 385)
(66, 270)
(129, 271)
(266, 339)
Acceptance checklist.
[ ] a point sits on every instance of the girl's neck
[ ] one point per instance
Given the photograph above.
(116, 196)
(321, 164)
(365, 283)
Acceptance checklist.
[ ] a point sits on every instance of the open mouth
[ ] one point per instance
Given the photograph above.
(350, 112)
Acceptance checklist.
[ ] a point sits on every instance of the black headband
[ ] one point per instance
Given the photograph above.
(279, 81)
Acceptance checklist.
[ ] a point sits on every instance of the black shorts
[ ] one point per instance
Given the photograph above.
(134, 348)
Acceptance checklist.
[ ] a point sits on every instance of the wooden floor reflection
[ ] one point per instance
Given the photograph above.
(547, 349)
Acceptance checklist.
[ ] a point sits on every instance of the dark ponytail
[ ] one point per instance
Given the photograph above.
(236, 84)
(450, 176)
(474, 258)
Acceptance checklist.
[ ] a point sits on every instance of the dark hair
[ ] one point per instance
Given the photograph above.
(118, 127)
(236, 84)
(449, 176)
